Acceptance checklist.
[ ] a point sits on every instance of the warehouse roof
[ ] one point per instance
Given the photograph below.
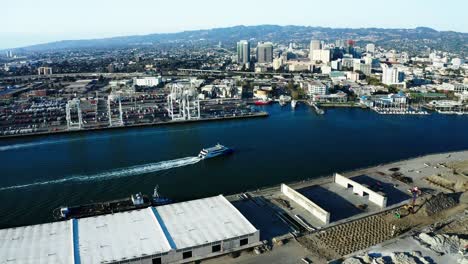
(203, 221)
(46, 243)
(126, 235)
(116, 237)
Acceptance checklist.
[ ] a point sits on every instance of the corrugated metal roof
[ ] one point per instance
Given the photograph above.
(37, 244)
(204, 221)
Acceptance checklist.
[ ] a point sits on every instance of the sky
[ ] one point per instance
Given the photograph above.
(27, 22)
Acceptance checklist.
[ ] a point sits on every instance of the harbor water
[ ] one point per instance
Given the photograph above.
(39, 174)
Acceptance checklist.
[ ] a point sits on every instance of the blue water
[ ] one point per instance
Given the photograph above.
(41, 173)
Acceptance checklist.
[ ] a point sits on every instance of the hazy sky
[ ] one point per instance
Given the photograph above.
(26, 22)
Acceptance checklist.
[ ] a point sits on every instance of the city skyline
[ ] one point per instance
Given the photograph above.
(52, 20)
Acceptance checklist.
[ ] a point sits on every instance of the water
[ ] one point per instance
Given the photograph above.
(39, 174)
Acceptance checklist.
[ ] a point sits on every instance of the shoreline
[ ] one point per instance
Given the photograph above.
(97, 129)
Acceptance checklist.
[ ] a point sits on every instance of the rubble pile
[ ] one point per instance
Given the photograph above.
(443, 244)
(438, 203)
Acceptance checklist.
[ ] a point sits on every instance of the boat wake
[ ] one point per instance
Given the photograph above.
(32, 144)
(117, 173)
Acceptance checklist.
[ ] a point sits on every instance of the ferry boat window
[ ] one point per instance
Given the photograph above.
(156, 261)
(187, 254)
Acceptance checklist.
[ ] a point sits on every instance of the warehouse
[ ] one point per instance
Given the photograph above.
(176, 233)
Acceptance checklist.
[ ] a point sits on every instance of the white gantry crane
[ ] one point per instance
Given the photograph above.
(73, 109)
(183, 103)
(114, 120)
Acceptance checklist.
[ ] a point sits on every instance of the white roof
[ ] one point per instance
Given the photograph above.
(203, 221)
(120, 236)
(46, 243)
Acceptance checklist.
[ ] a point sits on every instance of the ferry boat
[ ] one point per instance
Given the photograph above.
(215, 151)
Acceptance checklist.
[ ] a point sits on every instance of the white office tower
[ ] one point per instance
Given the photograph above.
(370, 48)
(320, 55)
(265, 52)
(243, 52)
(336, 65)
(277, 63)
(391, 75)
(315, 45)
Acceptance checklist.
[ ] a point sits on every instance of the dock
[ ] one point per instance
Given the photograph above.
(129, 126)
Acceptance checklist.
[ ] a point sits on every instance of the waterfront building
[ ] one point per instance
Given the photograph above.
(391, 75)
(148, 81)
(316, 88)
(339, 97)
(182, 232)
(44, 71)
(243, 52)
(265, 52)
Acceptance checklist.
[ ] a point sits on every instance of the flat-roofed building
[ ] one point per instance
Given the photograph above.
(176, 233)
(37, 244)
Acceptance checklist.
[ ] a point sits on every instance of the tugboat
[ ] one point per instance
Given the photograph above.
(135, 201)
(215, 151)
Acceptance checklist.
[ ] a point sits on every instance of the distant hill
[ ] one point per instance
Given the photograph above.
(409, 39)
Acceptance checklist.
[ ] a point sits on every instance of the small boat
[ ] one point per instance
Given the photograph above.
(215, 151)
(158, 199)
(293, 103)
(262, 102)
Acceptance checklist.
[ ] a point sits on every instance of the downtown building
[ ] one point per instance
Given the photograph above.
(243, 52)
(392, 75)
(265, 52)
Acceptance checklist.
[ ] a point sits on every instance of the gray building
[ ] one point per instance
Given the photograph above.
(265, 52)
(315, 45)
(243, 52)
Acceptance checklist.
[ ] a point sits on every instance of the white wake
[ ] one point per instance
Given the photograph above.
(117, 173)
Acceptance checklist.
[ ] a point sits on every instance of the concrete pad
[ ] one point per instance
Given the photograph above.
(263, 218)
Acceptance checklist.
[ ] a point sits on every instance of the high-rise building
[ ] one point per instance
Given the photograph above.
(264, 52)
(370, 48)
(320, 55)
(391, 75)
(9, 54)
(243, 52)
(315, 45)
(366, 69)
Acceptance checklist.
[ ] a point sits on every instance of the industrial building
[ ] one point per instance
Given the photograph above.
(176, 233)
